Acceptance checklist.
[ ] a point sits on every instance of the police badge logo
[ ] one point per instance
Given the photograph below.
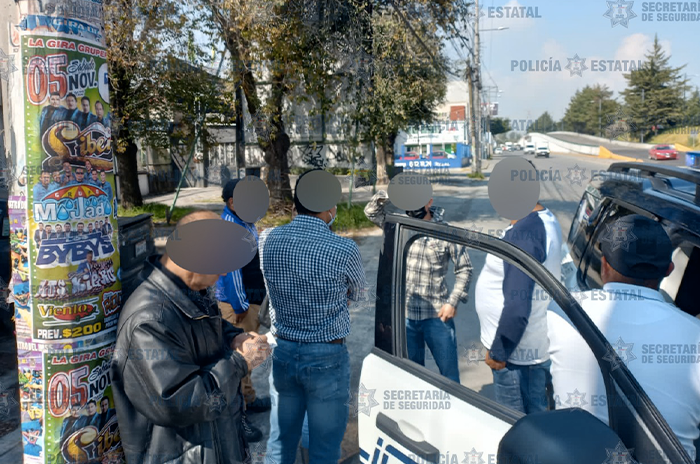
(619, 12)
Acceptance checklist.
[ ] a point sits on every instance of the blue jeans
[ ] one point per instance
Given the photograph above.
(523, 388)
(441, 339)
(313, 380)
(305, 433)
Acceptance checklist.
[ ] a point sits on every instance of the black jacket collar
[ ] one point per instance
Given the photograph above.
(175, 290)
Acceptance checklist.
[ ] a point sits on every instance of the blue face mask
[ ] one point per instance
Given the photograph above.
(332, 219)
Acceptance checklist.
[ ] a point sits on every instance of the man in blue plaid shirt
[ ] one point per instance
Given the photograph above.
(310, 274)
(430, 308)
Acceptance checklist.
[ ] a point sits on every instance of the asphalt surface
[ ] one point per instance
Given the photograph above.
(639, 153)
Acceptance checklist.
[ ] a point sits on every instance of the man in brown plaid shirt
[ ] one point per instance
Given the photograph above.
(430, 308)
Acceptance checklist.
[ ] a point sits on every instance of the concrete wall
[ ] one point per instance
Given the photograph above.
(599, 140)
(560, 146)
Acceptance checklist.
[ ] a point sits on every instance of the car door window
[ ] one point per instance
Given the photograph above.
(439, 272)
(678, 286)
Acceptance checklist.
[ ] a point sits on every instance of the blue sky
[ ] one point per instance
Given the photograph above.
(566, 28)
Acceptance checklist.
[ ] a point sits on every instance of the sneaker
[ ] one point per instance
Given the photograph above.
(252, 434)
(259, 405)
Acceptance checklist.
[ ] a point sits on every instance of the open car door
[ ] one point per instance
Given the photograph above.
(409, 413)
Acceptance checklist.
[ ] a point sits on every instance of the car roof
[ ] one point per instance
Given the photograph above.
(669, 192)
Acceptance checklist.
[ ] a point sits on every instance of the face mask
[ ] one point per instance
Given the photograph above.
(332, 219)
(418, 214)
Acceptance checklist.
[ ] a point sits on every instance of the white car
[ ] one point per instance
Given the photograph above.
(498, 151)
(530, 149)
(409, 413)
(542, 150)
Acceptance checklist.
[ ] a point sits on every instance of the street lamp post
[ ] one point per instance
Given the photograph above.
(474, 93)
(600, 120)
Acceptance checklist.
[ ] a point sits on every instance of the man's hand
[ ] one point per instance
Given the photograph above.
(493, 364)
(238, 318)
(237, 342)
(253, 347)
(447, 312)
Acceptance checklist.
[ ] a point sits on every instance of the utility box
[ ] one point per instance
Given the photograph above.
(136, 243)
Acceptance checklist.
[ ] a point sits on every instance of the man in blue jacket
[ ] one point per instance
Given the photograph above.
(513, 314)
(240, 294)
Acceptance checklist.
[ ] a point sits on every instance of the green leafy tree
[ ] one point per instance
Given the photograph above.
(544, 123)
(692, 109)
(407, 69)
(407, 83)
(282, 53)
(499, 125)
(136, 34)
(654, 93)
(588, 109)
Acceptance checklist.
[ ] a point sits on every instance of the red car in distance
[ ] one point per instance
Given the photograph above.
(660, 152)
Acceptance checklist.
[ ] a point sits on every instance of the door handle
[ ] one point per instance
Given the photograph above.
(421, 449)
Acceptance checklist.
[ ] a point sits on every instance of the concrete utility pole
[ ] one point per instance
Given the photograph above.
(65, 279)
(477, 82)
(476, 167)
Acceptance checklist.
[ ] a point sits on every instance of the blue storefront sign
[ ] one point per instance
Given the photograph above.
(412, 160)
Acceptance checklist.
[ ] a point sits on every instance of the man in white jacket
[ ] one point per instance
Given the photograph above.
(512, 311)
(635, 318)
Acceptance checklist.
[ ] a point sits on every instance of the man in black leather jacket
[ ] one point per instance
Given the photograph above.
(177, 369)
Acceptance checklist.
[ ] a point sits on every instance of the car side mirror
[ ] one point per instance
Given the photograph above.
(573, 436)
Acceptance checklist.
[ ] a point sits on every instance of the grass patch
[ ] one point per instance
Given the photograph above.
(676, 135)
(347, 219)
(274, 219)
(159, 212)
(352, 218)
(476, 175)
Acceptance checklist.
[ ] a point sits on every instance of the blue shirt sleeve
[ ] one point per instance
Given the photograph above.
(529, 235)
(229, 289)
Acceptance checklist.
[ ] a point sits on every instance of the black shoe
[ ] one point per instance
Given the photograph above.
(259, 405)
(252, 434)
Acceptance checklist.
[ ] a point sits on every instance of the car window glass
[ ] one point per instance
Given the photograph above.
(678, 287)
(457, 348)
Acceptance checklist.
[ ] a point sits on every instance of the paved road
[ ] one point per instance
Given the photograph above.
(639, 153)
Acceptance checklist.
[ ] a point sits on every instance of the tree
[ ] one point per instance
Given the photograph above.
(500, 125)
(654, 93)
(692, 109)
(407, 83)
(135, 31)
(588, 109)
(281, 52)
(544, 123)
(407, 72)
